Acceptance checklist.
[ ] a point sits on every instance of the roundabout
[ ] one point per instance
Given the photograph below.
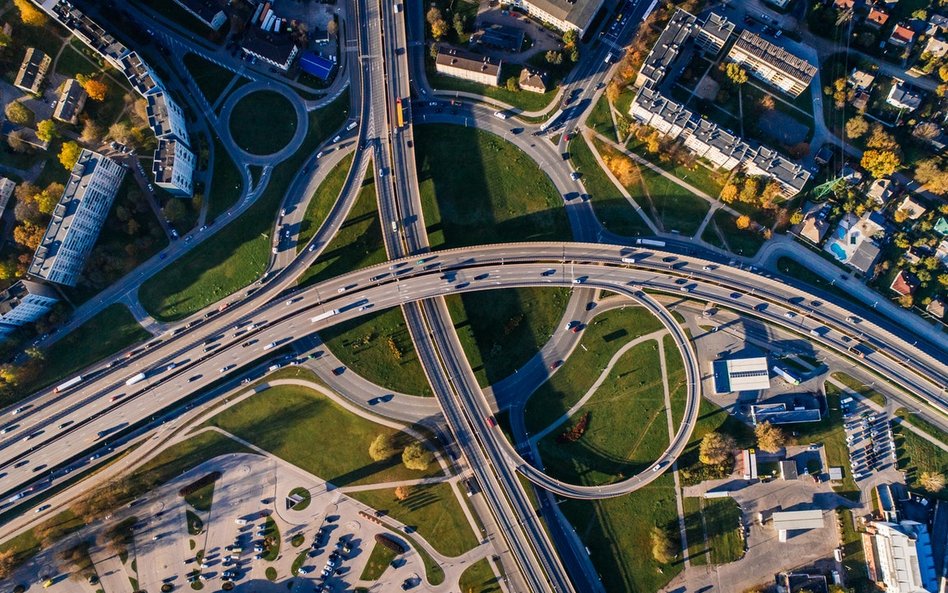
(265, 124)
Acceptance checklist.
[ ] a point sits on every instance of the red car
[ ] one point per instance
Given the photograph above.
(555, 364)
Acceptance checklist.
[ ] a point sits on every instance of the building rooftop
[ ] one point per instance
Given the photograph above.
(877, 17)
(741, 374)
(317, 65)
(793, 520)
(903, 96)
(276, 47)
(716, 26)
(89, 31)
(779, 414)
(904, 283)
(901, 35)
(32, 70)
(206, 10)
(11, 297)
(501, 37)
(139, 74)
(788, 469)
(531, 79)
(669, 43)
(165, 154)
(912, 207)
(70, 101)
(575, 12)
(936, 308)
(465, 60)
(861, 79)
(775, 56)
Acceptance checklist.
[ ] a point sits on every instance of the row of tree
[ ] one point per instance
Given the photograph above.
(414, 456)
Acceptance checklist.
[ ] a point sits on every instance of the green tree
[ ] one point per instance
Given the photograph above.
(880, 163)
(69, 154)
(856, 127)
(664, 550)
(513, 85)
(439, 29)
(554, 57)
(459, 23)
(174, 210)
(735, 73)
(19, 113)
(416, 457)
(46, 130)
(382, 447)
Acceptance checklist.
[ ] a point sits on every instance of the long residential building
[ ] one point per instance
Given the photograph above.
(703, 137)
(468, 66)
(771, 63)
(77, 219)
(24, 302)
(565, 15)
(32, 71)
(166, 118)
(174, 167)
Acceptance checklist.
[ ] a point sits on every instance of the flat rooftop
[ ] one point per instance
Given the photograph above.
(793, 520)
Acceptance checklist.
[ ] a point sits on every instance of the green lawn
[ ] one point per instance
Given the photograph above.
(613, 448)
(271, 530)
(195, 524)
(201, 498)
(524, 100)
(612, 209)
(830, 432)
(305, 498)
(616, 531)
(226, 182)
(183, 456)
(432, 510)
(283, 419)
(742, 242)
(208, 76)
(707, 180)
(917, 455)
(323, 200)
(495, 193)
(697, 551)
(602, 338)
(378, 561)
(379, 348)
(716, 523)
(479, 578)
(854, 555)
(600, 119)
(108, 332)
(263, 122)
(857, 386)
(357, 244)
(178, 15)
(238, 254)
(500, 330)
(26, 544)
(798, 271)
(922, 424)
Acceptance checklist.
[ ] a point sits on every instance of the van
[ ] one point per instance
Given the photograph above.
(500, 115)
(270, 345)
(240, 521)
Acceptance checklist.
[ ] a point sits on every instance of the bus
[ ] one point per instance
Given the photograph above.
(398, 112)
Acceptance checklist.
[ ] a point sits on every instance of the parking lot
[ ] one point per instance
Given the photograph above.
(869, 438)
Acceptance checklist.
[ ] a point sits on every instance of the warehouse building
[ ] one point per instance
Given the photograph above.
(77, 219)
(901, 557)
(787, 521)
(741, 374)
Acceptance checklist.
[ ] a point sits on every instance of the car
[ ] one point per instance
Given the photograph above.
(575, 175)
(42, 508)
(555, 364)
(789, 314)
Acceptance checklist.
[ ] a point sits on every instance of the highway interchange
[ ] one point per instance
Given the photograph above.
(49, 438)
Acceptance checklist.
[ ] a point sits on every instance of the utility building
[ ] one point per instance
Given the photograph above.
(740, 374)
(787, 521)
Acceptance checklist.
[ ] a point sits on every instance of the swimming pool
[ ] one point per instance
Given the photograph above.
(838, 251)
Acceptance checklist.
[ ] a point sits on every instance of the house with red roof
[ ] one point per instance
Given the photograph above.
(904, 283)
(901, 36)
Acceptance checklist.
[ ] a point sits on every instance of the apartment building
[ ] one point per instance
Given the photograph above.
(469, 66)
(24, 302)
(771, 63)
(166, 118)
(6, 190)
(77, 219)
(173, 167)
(32, 71)
(565, 15)
(140, 75)
(71, 101)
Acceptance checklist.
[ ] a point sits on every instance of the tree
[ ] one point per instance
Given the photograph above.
(434, 50)
(402, 493)
(613, 91)
(906, 301)
(19, 113)
(459, 23)
(715, 448)
(767, 103)
(46, 130)
(735, 73)
(856, 127)
(901, 215)
(926, 130)
(439, 29)
(623, 168)
(333, 27)
(570, 38)
(880, 163)
(743, 222)
(28, 235)
(796, 217)
(433, 14)
(47, 199)
(416, 457)
(7, 563)
(96, 89)
(880, 139)
(69, 154)
(120, 132)
(663, 549)
(929, 173)
(17, 142)
(382, 447)
(174, 210)
(29, 14)
(750, 190)
(513, 85)
(769, 437)
(729, 193)
(554, 57)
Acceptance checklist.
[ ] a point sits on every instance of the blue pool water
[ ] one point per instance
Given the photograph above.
(841, 232)
(838, 251)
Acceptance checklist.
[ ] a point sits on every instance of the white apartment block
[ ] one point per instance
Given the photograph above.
(174, 167)
(468, 66)
(24, 302)
(6, 190)
(77, 219)
(166, 118)
(565, 15)
(771, 63)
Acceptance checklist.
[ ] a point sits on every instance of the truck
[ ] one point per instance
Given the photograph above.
(325, 315)
(352, 126)
(398, 7)
(136, 379)
(650, 242)
(70, 383)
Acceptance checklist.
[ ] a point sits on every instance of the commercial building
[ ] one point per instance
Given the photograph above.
(772, 63)
(275, 48)
(6, 190)
(24, 302)
(565, 15)
(469, 66)
(787, 521)
(683, 34)
(77, 219)
(208, 12)
(780, 413)
(166, 118)
(315, 64)
(902, 555)
(71, 102)
(173, 167)
(532, 80)
(32, 71)
(741, 374)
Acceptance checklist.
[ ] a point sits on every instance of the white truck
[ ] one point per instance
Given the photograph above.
(325, 315)
(136, 379)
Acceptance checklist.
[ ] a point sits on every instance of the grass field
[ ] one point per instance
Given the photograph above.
(602, 338)
(379, 559)
(830, 432)
(357, 244)
(495, 193)
(612, 209)
(108, 332)
(284, 419)
(614, 447)
(917, 455)
(854, 555)
(209, 77)
(600, 118)
(263, 122)
(322, 201)
(616, 531)
(863, 390)
(226, 182)
(796, 270)
(500, 330)
(238, 254)
(524, 100)
(922, 424)
(716, 523)
(27, 543)
(379, 348)
(432, 510)
(201, 498)
(479, 578)
(742, 242)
